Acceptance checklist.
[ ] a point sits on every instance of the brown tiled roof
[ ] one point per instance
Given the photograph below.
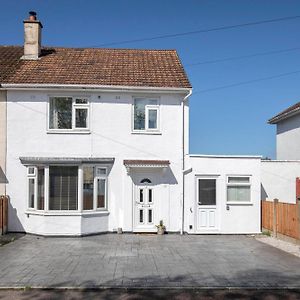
(9, 60)
(145, 162)
(93, 66)
(290, 111)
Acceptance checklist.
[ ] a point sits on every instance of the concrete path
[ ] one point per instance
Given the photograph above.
(131, 260)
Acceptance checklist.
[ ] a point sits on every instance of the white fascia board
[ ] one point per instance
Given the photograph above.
(92, 87)
(226, 156)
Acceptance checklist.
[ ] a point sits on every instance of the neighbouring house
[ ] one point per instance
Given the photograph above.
(279, 175)
(97, 140)
(7, 65)
(280, 178)
(287, 133)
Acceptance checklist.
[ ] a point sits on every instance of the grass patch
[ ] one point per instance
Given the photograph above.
(266, 232)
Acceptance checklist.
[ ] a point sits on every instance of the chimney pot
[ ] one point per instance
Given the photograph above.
(32, 16)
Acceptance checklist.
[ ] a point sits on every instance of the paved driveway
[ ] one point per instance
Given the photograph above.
(130, 260)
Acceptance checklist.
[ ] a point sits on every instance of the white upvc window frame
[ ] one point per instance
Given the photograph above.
(32, 176)
(75, 106)
(147, 108)
(237, 184)
(97, 175)
(96, 178)
(206, 177)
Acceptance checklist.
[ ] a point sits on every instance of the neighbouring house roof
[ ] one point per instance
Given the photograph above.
(94, 66)
(290, 111)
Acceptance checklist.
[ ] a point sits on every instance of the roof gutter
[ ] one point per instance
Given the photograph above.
(92, 87)
(287, 115)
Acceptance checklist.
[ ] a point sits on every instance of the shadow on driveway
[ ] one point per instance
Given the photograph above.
(148, 294)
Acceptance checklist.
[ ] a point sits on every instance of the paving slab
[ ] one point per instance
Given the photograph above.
(132, 260)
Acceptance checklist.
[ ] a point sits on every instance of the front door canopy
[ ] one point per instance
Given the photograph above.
(140, 163)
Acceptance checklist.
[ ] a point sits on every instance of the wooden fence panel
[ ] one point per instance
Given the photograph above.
(287, 218)
(3, 214)
(267, 215)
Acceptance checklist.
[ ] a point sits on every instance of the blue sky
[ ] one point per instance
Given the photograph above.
(222, 121)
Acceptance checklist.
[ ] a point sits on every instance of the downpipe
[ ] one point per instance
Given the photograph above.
(183, 158)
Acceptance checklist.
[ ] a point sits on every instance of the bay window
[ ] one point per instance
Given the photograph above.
(60, 188)
(238, 189)
(145, 114)
(68, 113)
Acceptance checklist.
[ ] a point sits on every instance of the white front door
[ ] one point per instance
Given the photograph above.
(144, 213)
(206, 216)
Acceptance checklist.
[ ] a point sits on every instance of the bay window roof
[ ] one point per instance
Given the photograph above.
(66, 160)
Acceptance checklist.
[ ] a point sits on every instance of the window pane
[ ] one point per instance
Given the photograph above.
(63, 187)
(31, 171)
(141, 216)
(207, 191)
(81, 117)
(238, 193)
(81, 101)
(41, 189)
(88, 188)
(150, 215)
(101, 171)
(150, 196)
(100, 193)
(139, 114)
(31, 192)
(141, 199)
(238, 179)
(60, 113)
(152, 122)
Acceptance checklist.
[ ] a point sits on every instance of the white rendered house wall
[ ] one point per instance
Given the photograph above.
(110, 135)
(227, 217)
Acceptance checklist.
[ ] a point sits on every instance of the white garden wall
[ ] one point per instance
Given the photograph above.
(278, 179)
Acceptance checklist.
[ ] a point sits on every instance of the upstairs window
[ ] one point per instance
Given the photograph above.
(68, 113)
(146, 115)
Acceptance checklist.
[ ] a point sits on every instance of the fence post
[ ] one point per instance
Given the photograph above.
(5, 218)
(298, 217)
(275, 202)
(1, 215)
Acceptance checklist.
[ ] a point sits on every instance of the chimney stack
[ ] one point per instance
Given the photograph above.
(32, 37)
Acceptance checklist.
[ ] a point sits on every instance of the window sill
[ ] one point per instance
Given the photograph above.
(240, 203)
(87, 131)
(67, 213)
(147, 132)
